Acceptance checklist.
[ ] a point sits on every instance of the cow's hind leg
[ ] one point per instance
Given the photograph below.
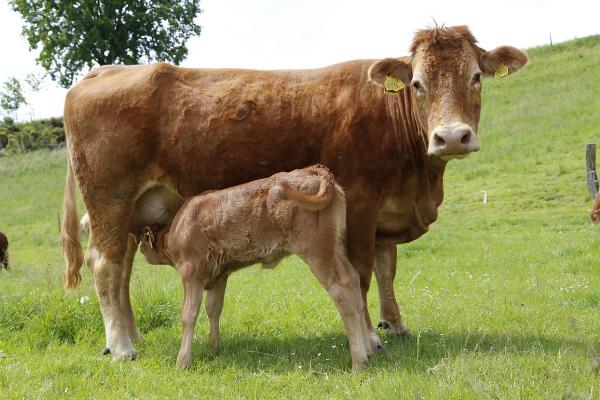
(193, 285)
(108, 253)
(385, 272)
(214, 305)
(125, 299)
(342, 287)
(108, 277)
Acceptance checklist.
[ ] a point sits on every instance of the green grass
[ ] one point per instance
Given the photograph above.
(503, 298)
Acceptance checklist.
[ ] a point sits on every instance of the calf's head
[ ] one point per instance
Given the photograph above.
(444, 74)
(152, 245)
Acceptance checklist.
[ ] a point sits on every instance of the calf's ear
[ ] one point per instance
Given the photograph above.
(502, 61)
(398, 68)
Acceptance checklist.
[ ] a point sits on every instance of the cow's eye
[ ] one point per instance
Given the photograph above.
(417, 86)
(477, 78)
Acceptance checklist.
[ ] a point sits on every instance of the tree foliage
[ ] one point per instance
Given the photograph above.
(11, 97)
(75, 34)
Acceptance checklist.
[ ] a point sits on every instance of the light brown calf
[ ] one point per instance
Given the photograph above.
(214, 234)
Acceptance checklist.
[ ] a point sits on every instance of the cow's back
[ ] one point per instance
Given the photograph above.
(199, 129)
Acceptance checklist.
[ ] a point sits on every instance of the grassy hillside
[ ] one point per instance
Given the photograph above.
(503, 298)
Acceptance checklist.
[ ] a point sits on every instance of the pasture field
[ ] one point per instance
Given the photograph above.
(503, 298)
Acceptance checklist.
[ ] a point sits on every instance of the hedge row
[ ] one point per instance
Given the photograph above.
(26, 136)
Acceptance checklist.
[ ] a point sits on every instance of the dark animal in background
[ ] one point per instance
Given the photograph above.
(3, 141)
(4, 251)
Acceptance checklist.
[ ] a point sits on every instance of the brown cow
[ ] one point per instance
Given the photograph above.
(595, 213)
(4, 251)
(141, 138)
(212, 235)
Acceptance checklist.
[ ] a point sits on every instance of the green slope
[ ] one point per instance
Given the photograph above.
(503, 298)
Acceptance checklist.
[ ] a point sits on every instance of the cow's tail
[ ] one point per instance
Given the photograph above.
(69, 231)
(313, 202)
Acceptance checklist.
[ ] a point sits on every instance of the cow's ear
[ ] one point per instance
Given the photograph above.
(398, 68)
(502, 61)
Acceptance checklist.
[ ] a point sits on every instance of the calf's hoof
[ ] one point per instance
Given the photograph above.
(375, 342)
(105, 351)
(183, 361)
(359, 365)
(214, 344)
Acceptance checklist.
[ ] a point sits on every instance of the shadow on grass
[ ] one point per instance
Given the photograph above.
(418, 353)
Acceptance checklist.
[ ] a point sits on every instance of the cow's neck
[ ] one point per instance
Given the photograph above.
(411, 203)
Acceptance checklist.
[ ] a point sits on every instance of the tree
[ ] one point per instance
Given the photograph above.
(75, 34)
(11, 97)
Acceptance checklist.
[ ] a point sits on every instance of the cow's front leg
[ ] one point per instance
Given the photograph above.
(385, 272)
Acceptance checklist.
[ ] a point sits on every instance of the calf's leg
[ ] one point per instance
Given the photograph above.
(385, 272)
(360, 247)
(345, 262)
(214, 305)
(361, 226)
(193, 285)
(340, 285)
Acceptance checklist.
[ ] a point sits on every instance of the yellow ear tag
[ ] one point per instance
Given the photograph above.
(392, 85)
(150, 238)
(501, 72)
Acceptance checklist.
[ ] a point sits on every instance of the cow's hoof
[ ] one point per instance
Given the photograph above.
(124, 355)
(105, 351)
(383, 325)
(394, 329)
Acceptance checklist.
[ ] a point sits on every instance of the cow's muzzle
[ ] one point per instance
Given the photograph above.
(452, 141)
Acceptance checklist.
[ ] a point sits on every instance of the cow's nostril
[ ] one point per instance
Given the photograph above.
(465, 138)
(438, 141)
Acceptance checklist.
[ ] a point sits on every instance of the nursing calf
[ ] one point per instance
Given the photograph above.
(301, 212)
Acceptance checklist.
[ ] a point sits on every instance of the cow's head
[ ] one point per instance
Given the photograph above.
(444, 73)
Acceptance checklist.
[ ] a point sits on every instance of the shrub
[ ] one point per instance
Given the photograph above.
(33, 135)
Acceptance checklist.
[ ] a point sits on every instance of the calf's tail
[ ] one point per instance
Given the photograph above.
(313, 202)
(69, 231)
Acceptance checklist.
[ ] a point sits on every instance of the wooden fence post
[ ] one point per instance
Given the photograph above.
(590, 169)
